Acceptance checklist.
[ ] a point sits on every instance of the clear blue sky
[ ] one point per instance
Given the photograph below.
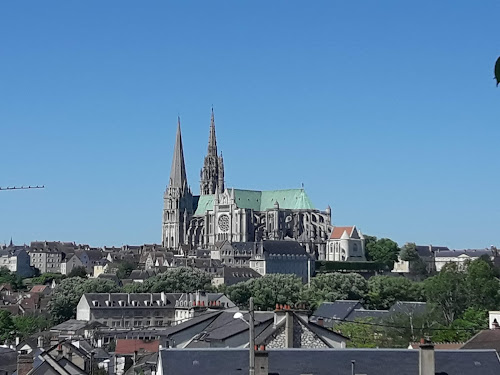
(385, 110)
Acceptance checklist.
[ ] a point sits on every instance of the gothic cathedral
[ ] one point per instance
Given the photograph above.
(236, 215)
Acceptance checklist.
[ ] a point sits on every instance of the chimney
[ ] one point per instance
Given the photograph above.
(494, 318)
(40, 342)
(320, 322)
(18, 340)
(426, 358)
(24, 363)
(261, 362)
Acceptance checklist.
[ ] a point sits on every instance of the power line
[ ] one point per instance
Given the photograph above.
(394, 326)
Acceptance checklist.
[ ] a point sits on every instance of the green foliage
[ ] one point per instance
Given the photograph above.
(267, 291)
(409, 253)
(7, 328)
(125, 268)
(7, 277)
(177, 280)
(448, 291)
(332, 266)
(384, 291)
(335, 286)
(78, 272)
(363, 333)
(46, 278)
(26, 325)
(62, 305)
(482, 285)
(464, 328)
(383, 250)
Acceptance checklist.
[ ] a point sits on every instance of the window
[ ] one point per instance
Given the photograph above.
(127, 323)
(159, 323)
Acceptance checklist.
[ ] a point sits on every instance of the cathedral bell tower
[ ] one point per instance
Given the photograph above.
(177, 200)
(212, 173)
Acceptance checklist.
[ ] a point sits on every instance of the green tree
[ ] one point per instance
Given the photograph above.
(335, 286)
(384, 291)
(125, 268)
(267, 291)
(78, 272)
(483, 286)
(7, 328)
(62, 305)
(179, 280)
(26, 325)
(462, 329)
(448, 291)
(410, 254)
(362, 333)
(7, 277)
(383, 250)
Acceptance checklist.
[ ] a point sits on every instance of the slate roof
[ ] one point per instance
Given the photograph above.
(233, 275)
(337, 310)
(8, 360)
(293, 199)
(327, 362)
(486, 339)
(429, 250)
(283, 248)
(473, 253)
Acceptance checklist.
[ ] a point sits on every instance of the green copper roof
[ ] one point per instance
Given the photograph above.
(294, 199)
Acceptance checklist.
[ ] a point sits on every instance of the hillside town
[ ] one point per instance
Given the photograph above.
(238, 275)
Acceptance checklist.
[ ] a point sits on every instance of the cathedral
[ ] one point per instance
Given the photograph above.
(221, 214)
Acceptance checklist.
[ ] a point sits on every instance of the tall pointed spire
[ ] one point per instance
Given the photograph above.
(212, 141)
(178, 171)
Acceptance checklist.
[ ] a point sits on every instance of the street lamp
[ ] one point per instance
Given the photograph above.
(251, 343)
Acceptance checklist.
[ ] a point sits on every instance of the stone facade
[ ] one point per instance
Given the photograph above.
(236, 215)
(346, 244)
(302, 338)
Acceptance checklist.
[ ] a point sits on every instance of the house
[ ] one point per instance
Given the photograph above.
(16, 260)
(124, 310)
(283, 328)
(345, 244)
(46, 259)
(460, 257)
(426, 252)
(43, 363)
(231, 275)
(327, 361)
(42, 290)
(128, 352)
(283, 257)
(71, 262)
(487, 338)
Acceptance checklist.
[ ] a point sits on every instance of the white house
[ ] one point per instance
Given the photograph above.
(345, 244)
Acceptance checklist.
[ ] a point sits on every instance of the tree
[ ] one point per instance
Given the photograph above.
(384, 291)
(460, 330)
(267, 291)
(179, 280)
(383, 250)
(62, 305)
(410, 254)
(125, 268)
(482, 285)
(448, 291)
(7, 327)
(335, 286)
(7, 277)
(78, 272)
(26, 325)
(363, 333)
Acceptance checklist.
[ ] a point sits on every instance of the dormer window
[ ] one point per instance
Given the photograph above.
(135, 303)
(107, 303)
(121, 302)
(95, 303)
(158, 302)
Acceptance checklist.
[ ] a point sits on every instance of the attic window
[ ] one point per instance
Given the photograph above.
(135, 303)
(95, 303)
(158, 302)
(107, 303)
(121, 302)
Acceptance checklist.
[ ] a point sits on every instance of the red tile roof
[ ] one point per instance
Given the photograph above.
(339, 231)
(129, 346)
(38, 288)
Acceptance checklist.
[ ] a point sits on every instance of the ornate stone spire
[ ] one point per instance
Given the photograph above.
(212, 140)
(178, 171)
(212, 173)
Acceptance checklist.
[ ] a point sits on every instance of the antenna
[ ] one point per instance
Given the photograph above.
(22, 187)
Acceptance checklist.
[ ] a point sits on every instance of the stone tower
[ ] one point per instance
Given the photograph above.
(177, 200)
(212, 173)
